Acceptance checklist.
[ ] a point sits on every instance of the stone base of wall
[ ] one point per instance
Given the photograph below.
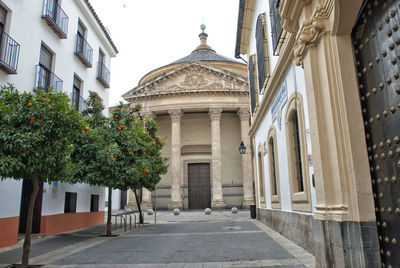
(346, 244)
(334, 244)
(294, 226)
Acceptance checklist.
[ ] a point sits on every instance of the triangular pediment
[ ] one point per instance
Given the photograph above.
(192, 77)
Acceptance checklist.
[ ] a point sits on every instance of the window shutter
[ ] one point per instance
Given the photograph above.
(276, 27)
(260, 52)
(251, 84)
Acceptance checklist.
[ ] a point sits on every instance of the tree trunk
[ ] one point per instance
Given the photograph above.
(28, 231)
(109, 232)
(139, 208)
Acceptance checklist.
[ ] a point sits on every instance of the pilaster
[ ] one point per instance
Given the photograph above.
(248, 195)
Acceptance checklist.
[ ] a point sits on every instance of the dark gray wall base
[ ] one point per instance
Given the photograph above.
(346, 244)
(294, 226)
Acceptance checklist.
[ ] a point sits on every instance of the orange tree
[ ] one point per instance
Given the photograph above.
(140, 151)
(37, 130)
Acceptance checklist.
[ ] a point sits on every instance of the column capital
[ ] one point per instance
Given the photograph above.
(148, 114)
(243, 113)
(175, 114)
(215, 113)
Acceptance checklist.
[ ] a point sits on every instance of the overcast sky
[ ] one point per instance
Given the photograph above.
(153, 33)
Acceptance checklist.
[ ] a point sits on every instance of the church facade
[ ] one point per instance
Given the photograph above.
(201, 105)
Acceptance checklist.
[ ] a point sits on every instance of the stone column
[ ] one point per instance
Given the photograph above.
(146, 194)
(176, 198)
(248, 195)
(217, 201)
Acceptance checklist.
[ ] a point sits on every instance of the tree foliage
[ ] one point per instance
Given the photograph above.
(117, 152)
(37, 130)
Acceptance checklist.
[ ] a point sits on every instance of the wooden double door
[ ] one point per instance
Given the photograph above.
(199, 186)
(376, 40)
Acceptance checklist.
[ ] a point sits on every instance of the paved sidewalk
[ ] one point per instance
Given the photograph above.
(191, 239)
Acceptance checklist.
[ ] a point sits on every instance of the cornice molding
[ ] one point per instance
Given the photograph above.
(312, 30)
(279, 74)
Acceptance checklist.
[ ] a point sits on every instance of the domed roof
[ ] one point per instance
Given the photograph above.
(204, 53)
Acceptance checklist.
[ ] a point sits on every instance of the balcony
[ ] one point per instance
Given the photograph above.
(103, 75)
(83, 51)
(9, 54)
(56, 18)
(78, 102)
(46, 79)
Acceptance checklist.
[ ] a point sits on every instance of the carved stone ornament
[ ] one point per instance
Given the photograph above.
(175, 114)
(244, 114)
(215, 113)
(311, 31)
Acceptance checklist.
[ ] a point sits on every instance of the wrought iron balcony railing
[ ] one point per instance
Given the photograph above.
(46, 79)
(103, 75)
(56, 18)
(78, 102)
(9, 53)
(84, 51)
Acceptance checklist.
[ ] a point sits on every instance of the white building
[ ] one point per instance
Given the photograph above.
(283, 171)
(65, 45)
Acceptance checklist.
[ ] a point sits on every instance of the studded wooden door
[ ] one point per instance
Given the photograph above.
(376, 39)
(199, 186)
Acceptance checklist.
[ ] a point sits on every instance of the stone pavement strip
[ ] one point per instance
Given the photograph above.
(191, 239)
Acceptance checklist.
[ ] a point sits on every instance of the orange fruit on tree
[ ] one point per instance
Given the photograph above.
(87, 128)
(32, 119)
(42, 100)
(29, 104)
(144, 152)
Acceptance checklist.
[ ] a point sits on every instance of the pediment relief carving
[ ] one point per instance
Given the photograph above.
(194, 78)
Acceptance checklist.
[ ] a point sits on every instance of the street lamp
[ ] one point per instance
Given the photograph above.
(242, 148)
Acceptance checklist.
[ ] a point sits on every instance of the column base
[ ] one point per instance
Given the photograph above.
(247, 202)
(346, 244)
(131, 205)
(145, 205)
(175, 204)
(219, 204)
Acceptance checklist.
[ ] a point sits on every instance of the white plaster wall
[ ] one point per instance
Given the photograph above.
(25, 25)
(295, 82)
(54, 197)
(10, 198)
(116, 199)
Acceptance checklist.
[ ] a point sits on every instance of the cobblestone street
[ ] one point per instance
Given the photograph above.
(191, 239)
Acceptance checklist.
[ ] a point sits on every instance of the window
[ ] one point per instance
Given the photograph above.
(45, 64)
(263, 63)
(273, 168)
(94, 202)
(103, 74)
(253, 83)
(55, 17)
(297, 154)
(9, 48)
(70, 202)
(76, 93)
(3, 17)
(44, 77)
(82, 48)
(276, 27)
(299, 187)
(260, 164)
